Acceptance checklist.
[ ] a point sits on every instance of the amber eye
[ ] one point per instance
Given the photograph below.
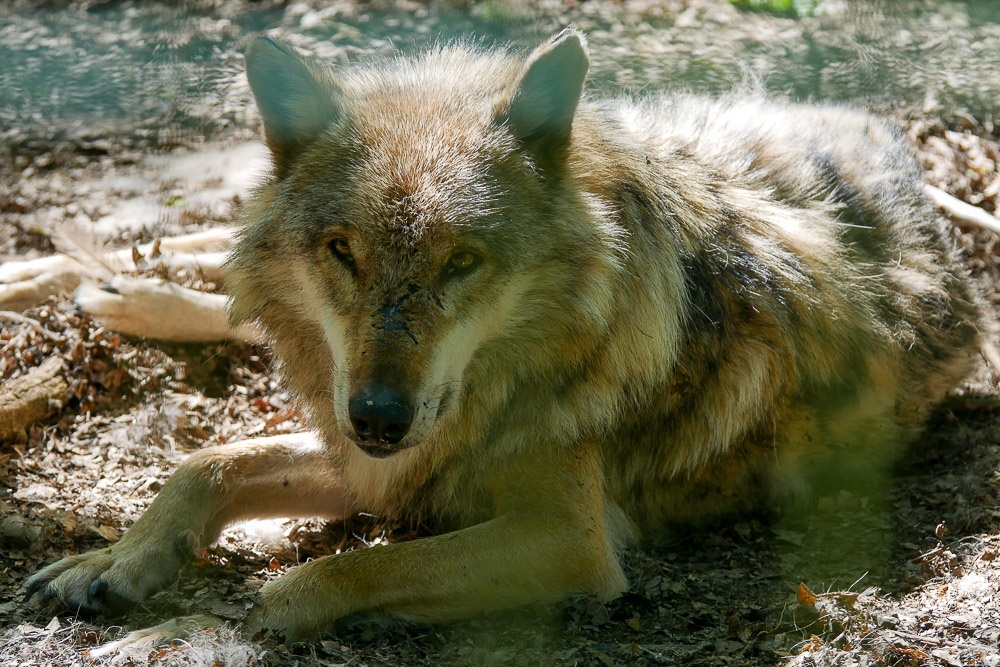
(341, 249)
(463, 261)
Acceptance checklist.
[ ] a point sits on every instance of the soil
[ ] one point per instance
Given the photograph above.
(149, 132)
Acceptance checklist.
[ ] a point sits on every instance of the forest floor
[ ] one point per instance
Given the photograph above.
(907, 574)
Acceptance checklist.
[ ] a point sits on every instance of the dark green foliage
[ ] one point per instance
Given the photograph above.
(790, 7)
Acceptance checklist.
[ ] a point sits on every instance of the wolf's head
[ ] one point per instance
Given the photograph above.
(419, 237)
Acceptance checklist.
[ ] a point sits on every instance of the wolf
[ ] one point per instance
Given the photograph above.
(552, 325)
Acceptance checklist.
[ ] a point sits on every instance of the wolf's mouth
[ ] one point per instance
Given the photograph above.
(444, 403)
(378, 451)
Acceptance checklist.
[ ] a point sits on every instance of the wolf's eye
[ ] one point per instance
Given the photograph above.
(463, 261)
(341, 249)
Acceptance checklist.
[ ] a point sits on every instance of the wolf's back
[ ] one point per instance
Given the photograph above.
(823, 308)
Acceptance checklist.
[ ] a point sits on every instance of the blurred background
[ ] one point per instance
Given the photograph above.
(165, 71)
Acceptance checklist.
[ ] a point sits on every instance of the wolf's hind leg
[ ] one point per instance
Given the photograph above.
(279, 476)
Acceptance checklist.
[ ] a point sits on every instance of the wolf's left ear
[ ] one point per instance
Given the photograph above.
(297, 97)
(547, 92)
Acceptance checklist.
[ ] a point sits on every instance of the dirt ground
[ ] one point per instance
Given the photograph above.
(905, 574)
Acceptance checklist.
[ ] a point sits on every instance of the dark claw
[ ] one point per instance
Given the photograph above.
(34, 587)
(110, 289)
(97, 589)
(103, 599)
(85, 610)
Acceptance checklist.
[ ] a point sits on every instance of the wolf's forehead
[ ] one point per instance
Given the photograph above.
(420, 124)
(418, 195)
(446, 98)
(425, 174)
(427, 137)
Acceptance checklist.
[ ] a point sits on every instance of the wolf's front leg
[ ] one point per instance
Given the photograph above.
(286, 475)
(550, 538)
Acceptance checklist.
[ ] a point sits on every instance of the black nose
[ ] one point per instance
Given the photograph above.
(380, 414)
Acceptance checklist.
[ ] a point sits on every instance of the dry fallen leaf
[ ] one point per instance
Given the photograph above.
(847, 599)
(805, 596)
(109, 533)
(67, 520)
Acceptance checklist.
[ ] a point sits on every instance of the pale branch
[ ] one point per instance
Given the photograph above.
(962, 211)
(21, 319)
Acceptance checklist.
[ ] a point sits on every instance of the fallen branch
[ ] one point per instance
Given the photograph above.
(21, 319)
(25, 400)
(961, 211)
(936, 641)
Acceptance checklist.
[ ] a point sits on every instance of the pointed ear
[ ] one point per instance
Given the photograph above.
(297, 97)
(540, 112)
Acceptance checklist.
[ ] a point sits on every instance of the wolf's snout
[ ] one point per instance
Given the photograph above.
(380, 415)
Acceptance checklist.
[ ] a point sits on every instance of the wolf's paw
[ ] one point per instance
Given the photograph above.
(155, 308)
(296, 607)
(106, 581)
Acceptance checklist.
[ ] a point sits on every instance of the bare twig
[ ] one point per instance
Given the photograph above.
(21, 319)
(80, 244)
(961, 211)
(936, 641)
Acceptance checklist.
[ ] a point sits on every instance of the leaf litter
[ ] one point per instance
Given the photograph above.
(907, 575)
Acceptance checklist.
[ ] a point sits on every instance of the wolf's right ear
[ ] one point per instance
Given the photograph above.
(297, 98)
(540, 112)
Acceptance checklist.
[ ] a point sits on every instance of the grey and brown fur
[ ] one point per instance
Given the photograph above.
(680, 308)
